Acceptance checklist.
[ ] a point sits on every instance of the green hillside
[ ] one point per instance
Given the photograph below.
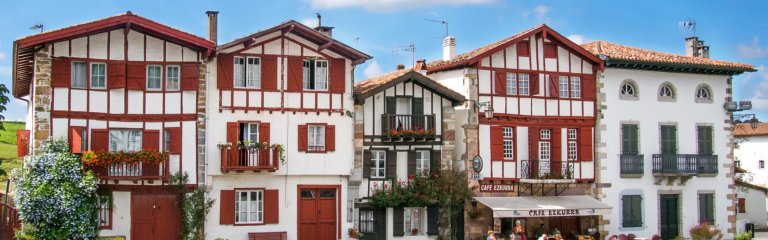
(8, 159)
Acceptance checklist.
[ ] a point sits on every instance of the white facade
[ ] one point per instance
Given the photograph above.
(754, 206)
(749, 153)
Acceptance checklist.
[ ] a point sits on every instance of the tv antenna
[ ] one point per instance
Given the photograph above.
(37, 26)
(444, 22)
(357, 41)
(690, 25)
(407, 48)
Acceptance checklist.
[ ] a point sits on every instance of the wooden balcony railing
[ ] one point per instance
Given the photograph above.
(398, 125)
(239, 158)
(546, 169)
(631, 164)
(684, 164)
(133, 171)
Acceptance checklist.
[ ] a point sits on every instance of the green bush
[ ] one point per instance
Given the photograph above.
(743, 236)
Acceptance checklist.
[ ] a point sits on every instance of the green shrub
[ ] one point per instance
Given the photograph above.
(743, 236)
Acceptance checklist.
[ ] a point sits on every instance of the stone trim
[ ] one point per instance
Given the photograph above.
(42, 97)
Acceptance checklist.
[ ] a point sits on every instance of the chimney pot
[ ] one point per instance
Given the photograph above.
(421, 66)
(449, 48)
(400, 67)
(213, 23)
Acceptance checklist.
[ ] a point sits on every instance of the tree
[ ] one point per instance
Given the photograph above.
(194, 206)
(55, 196)
(3, 101)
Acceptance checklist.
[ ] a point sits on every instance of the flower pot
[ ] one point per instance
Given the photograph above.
(415, 231)
(354, 235)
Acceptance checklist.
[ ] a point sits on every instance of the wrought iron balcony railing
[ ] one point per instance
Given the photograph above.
(408, 126)
(249, 158)
(546, 169)
(684, 164)
(631, 164)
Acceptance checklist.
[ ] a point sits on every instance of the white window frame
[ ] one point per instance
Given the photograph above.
(79, 83)
(563, 84)
(512, 83)
(422, 161)
(158, 78)
(131, 140)
(509, 143)
(239, 65)
(546, 134)
(545, 153)
(172, 82)
(105, 209)
(316, 138)
(249, 134)
(666, 91)
(414, 218)
(96, 78)
(524, 82)
(252, 72)
(166, 140)
(320, 77)
(248, 211)
(627, 89)
(575, 87)
(761, 164)
(379, 161)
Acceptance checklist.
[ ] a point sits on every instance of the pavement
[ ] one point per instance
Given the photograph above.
(761, 235)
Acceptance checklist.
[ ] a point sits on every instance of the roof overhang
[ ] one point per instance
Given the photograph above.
(673, 67)
(417, 78)
(544, 206)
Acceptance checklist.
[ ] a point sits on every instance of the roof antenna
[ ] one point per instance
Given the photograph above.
(444, 22)
(37, 26)
(408, 48)
(689, 25)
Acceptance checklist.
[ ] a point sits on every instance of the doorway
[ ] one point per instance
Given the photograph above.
(155, 214)
(318, 212)
(669, 214)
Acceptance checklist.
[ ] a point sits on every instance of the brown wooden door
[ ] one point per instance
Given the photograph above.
(154, 215)
(317, 213)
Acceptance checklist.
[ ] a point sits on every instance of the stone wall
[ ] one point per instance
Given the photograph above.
(202, 90)
(41, 99)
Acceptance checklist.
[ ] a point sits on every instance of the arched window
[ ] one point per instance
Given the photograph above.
(628, 90)
(703, 93)
(666, 92)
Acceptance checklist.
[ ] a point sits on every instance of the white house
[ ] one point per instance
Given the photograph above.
(279, 126)
(122, 83)
(665, 140)
(751, 206)
(750, 151)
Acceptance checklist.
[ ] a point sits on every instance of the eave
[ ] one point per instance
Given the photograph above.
(674, 67)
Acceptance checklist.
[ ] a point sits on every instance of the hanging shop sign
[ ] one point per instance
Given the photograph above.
(477, 163)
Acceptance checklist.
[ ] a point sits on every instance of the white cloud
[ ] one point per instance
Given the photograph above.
(391, 5)
(2, 56)
(541, 11)
(754, 87)
(578, 39)
(310, 22)
(752, 50)
(373, 70)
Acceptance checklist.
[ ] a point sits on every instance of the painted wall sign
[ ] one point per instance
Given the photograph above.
(477, 163)
(497, 187)
(552, 212)
(477, 176)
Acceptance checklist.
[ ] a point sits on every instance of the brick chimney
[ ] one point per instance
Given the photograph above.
(213, 22)
(696, 48)
(449, 48)
(400, 67)
(421, 66)
(325, 30)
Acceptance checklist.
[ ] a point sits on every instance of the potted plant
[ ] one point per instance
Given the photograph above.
(354, 232)
(415, 231)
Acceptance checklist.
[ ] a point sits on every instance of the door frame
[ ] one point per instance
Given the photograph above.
(150, 190)
(677, 211)
(299, 187)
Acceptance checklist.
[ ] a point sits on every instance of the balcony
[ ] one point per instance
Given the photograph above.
(547, 170)
(631, 165)
(684, 164)
(250, 158)
(133, 171)
(407, 127)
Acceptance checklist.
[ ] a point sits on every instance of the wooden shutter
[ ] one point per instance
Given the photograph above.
(626, 211)
(417, 106)
(303, 139)
(151, 139)
(227, 207)
(269, 72)
(271, 206)
(631, 214)
(137, 76)
(176, 140)
(588, 85)
(523, 49)
(392, 164)
(367, 163)
(22, 143)
(533, 143)
(585, 143)
(391, 105)
(501, 83)
(533, 82)
(432, 218)
(629, 139)
(190, 73)
(706, 208)
(76, 139)
(233, 131)
(61, 72)
(330, 138)
(225, 67)
(705, 140)
(116, 75)
(668, 139)
(411, 163)
(557, 146)
(742, 205)
(398, 221)
(435, 162)
(554, 86)
(497, 143)
(99, 140)
(550, 50)
(337, 75)
(295, 73)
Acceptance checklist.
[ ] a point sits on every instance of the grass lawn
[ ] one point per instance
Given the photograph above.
(8, 159)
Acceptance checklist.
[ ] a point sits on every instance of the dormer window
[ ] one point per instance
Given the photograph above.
(315, 75)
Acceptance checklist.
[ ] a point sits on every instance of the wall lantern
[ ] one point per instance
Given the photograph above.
(488, 109)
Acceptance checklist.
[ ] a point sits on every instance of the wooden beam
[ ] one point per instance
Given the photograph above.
(325, 46)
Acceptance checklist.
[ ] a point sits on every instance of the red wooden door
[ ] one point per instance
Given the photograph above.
(142, 217)
(317, 213)
(155, 215)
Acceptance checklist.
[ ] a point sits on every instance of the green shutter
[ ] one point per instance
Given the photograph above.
(391, 105)
(669, 139)
(707, 208)
(631, 211)
(629, 139)
(705, 140)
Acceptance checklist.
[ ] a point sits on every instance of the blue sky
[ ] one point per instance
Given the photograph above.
(735, 30)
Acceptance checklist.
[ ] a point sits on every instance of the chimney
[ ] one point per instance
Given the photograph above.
(696, 48)
(213, 23)
(400, 67)
(325, 30)
(449, 48)
(421, 66)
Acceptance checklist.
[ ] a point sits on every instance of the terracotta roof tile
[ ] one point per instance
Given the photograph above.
(372, 83)
(616, 51)
(745, 130)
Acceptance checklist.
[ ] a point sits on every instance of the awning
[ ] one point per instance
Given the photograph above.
(544, 206)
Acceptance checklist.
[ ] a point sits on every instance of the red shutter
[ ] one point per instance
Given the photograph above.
(269, 72)
(99, 140)
(151, 140)
(225, 66)
(116, 75)
(271, 206)
(497, 143)
(330, 138)
(264, 138)
(295, 73)
(22, 143)
(137, 76)
(190, 74)
(557, 145)
(61, 72)
(550, 50)
(554, 86)
(227, 207)
(233, 130)
(76, 139)
(501, 83)
(585, 143)
(533, 143)
(534, 83)
(588, 84)
(303, 138)
(176, 140)
(742, 205)
(337, 74)
(523, 49)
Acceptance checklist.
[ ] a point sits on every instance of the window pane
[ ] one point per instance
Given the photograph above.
(78, 75)
(321, 75)
(575, 87)
(154, 77)
(239, 74)
(98, 75)
(523, 78)
(307, 75)
(563, 86)
(511, 83)
(124, 140)
(253, 75)
(172, 78)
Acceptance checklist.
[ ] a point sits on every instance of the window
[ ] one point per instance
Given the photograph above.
(707, 208)
(631, 214)
(524, 49)
(737, 163)
(573, 145)
(742, 204)
(166, 140)
(761, 164)
(315, 75)
(545, 133)
(575, 87)
(83, 139)
(422, 162)
(524, 84)
(98, 75)
(378, 157)
(703, 94)
(563, 86)
(544, 151)
(249, 206)
(509, 143)
(705, 140)
(413, 218)
(666, 92)
(250, 133)
(366, 221)
(172, 78)
(154, 77)
(239, 74)
(247, 72)
(124, 140)
(78, 75)
(105, 210)
(629, 139)
(511, 83)
(316, 138)
(668, 139)
(627, 89)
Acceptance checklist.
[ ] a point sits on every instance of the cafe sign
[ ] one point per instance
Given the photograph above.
(563, 212)
(497, 188)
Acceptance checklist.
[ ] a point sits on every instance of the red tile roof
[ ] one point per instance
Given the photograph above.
(367, 85)
(616, 51)
(745, 130)
(374, 85)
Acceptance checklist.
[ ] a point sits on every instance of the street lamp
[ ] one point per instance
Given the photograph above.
(733, 106)
(488, 109)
